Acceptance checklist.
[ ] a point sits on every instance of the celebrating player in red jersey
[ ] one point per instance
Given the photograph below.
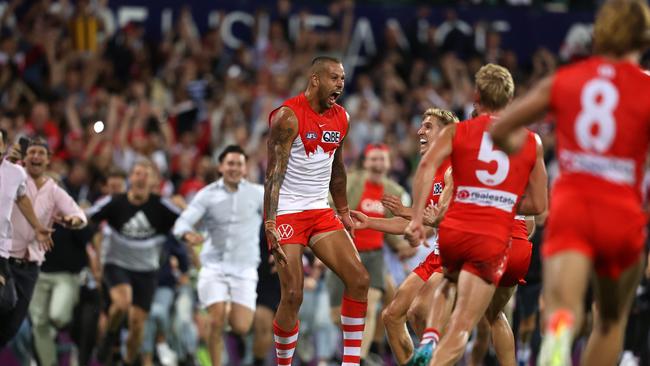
(603, 131)
(413, 298)
(474, 236)
(305, 163)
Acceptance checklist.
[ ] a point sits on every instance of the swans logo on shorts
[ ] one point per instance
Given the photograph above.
(285, 231)
(437, 189)
(333, 137)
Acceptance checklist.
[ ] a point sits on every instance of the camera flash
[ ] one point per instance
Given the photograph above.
(98, 127)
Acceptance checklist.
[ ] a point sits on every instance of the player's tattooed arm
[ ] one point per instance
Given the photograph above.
(284, 129)
(338, 184)
(338, 181)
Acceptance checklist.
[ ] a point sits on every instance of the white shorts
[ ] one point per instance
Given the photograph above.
(215, 286)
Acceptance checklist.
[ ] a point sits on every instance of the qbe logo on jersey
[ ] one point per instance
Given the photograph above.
(285, 231)
(332, 137)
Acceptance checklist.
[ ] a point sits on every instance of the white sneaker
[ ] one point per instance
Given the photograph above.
(629, 359)
(166, 355)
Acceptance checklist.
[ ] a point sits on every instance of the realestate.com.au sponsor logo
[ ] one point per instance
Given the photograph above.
(487, 197)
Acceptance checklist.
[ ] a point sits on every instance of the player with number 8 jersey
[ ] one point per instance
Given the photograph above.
(596, 222)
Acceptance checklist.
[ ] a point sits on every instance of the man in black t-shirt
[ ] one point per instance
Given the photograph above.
(139, 222)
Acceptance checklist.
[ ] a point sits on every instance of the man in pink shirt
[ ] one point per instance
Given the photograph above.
(26, 252)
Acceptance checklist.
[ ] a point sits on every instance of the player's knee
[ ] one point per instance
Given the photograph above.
(607, 321)
(292, 297)
(389, 316)
(460, 324)
(416, 314)
(357, 285)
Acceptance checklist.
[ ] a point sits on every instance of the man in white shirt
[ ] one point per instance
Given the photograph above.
(231, 211)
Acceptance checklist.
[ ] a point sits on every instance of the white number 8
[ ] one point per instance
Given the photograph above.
(488, 154)
(599, 113)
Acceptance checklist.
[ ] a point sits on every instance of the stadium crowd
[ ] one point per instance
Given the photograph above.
(102, 100)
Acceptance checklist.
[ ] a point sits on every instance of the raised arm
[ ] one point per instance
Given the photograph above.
(535, 198)
(430, 162)
(284, 129)
(521, 112)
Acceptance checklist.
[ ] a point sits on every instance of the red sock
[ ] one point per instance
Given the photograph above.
(353, 320)
(285, 343)
(429, 335)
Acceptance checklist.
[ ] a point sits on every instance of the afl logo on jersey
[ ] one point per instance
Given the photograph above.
(332, 137)
(311, 135)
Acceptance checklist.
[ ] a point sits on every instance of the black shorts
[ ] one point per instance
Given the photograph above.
(268, 290)
(143, 284)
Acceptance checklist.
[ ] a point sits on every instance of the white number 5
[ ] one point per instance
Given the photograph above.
(488, 154)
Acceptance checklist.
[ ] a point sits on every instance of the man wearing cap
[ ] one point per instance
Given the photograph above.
(365, 189)
(27, 249)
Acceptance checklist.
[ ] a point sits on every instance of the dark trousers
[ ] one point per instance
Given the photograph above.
(84, 325)
(22, 277)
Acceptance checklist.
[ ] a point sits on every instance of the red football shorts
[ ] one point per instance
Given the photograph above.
(430, 265)
(299, 227)
(481, 255)
(609, 231)
(518, 262)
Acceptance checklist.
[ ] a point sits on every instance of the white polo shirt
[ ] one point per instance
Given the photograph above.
(13, 180)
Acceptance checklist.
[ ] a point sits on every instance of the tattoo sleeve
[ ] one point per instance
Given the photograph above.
(284, 128)
(338, 180)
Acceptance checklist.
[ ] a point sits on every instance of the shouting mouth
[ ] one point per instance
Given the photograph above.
(333, 97)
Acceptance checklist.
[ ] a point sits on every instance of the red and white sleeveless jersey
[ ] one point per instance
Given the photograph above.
(487, 182)
(306, 182)
(602, 110)
(438, 182)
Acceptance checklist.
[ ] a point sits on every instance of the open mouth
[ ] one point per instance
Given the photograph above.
(423, 141)
(333, 97)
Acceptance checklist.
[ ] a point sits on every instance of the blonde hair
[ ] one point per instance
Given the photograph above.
(444, 116)
(495, 86)
(622, 26)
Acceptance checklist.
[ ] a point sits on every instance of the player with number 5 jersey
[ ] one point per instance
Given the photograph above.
(596, 223)
(474, 236)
